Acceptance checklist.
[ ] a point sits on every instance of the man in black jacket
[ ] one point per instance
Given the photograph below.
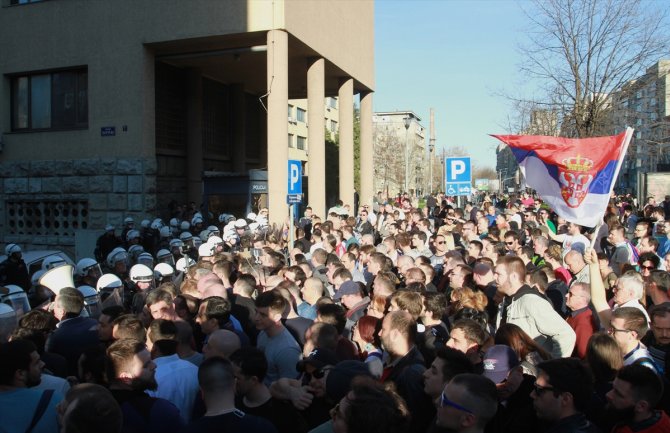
(561, 394)
(406, 367)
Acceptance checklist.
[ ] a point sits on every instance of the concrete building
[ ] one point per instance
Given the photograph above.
(644, 104)
(401, 159)
(121, 108)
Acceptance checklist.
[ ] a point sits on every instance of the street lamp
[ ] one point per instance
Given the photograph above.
(431, 148)
(407, 121)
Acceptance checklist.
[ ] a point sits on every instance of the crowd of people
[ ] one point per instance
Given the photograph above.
(402, 316)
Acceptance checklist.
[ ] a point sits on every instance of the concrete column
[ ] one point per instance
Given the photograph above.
(367, 156)
(316, 146)
(277, 143)
(346, 100)
(194, 151)
(239, 136)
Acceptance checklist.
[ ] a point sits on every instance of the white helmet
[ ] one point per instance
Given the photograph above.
(132, 234)
(176, 243)
(86, 265)
(157, 224)
(174, 222)
(186, 236)
(223, 217)
(128, 220)
(8, 321)
(251, 216)
(35, 279)
(215, 240)
(184, 263)
(11, 249)
(196, 220)
(206, 250)
(146, 259)
(214, 230)
(53, 261)
(165, 232)
(145, 224)
(118, 254)
(204, 235)
(184, 226)
(197, 242)
(141, 273)
(165, 256)
(241, 224)
(134, 252)
(163, 271)
(15, 297)
(91, 300)
(108, 282)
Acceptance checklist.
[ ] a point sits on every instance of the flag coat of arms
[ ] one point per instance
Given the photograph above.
(574, 176)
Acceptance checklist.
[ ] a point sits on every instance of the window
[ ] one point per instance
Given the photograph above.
(332, 103)
(290, 140)
(290, 110)
(301, 142)
(52, 100)
(652, 102)
(300, 115)
(41, 218)
(333, 126)
(638, 122)
(653, 116)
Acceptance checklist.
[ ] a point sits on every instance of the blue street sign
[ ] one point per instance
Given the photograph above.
(108, 131)
(293, 198)
(458, 170)
(462, 188)
(294, 177)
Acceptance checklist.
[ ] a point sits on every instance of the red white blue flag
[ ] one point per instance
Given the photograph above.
(574, 176)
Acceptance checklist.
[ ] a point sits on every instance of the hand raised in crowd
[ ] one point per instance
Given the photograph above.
(591, 257)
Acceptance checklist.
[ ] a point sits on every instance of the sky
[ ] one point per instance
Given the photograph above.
(452, 56)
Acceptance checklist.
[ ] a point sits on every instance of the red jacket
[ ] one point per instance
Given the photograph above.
(584, 326)
(662, 425)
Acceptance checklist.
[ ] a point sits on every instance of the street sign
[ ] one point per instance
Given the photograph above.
(457, 189)
(458, 170)
(293, 198)
(458, 176)
(294, 177)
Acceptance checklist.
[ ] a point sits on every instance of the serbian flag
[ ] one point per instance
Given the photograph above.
(574, 176)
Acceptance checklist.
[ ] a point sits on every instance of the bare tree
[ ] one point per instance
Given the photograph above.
(389, 162)
(582, 50)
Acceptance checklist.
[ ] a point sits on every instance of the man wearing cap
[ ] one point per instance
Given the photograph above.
(561, 394)
(352, 296)
(515, 411)
(530, 310)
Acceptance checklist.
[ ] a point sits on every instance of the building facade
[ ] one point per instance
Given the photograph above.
(400, 157)
(644, 104)
(114, 109)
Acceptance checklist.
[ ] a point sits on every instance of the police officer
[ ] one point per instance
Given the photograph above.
(14, 270)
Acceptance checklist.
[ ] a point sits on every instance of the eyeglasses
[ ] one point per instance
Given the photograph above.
(539, 390)
(649, 268)
(444, 402)
(441, 243)
(613, 330)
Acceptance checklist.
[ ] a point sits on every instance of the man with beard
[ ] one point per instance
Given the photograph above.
(657, 339)
(131, 370)
(635, 393)
(23, 408)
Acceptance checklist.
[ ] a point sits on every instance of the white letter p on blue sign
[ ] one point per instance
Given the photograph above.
(294, 177)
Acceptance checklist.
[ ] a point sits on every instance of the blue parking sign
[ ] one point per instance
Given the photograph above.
(458, 170)
(294, 176)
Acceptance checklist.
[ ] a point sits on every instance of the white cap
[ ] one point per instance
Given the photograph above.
(240, 223)
(11, 249)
